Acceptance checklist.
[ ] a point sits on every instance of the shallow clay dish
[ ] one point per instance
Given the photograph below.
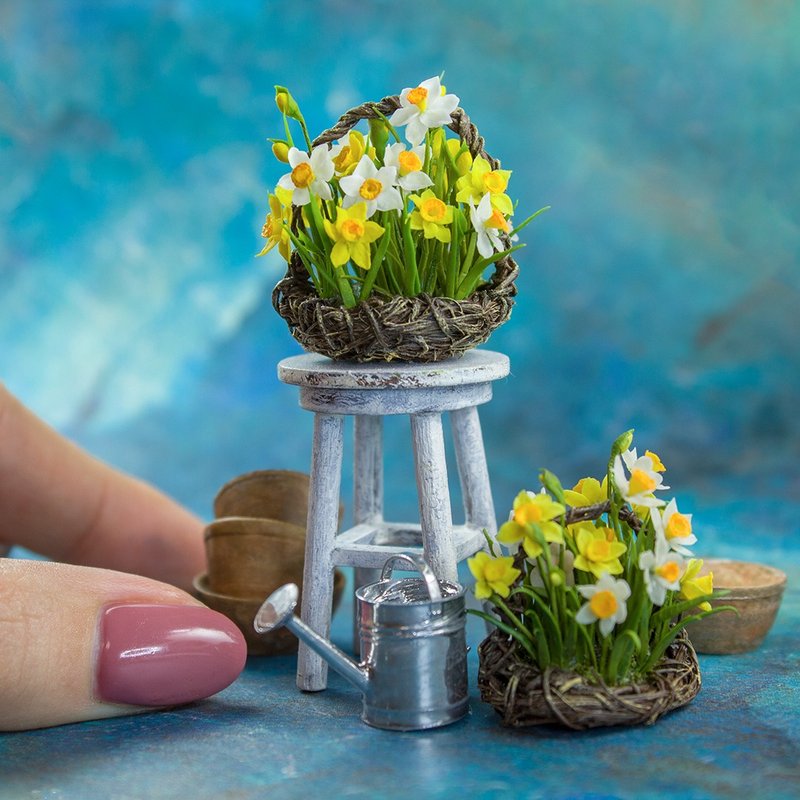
(755, 591)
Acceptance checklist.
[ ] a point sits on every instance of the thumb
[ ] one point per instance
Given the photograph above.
(79, 643)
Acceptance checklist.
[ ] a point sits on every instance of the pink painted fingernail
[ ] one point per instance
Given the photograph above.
(161, 655)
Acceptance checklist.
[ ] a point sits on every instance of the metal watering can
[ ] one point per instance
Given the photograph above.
(413, 670)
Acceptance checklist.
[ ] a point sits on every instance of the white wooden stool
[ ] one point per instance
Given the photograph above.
(368, 392)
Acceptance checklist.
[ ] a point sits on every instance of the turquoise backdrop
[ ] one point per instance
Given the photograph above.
(661, 291)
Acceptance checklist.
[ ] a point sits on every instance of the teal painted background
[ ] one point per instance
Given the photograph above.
(661, 292)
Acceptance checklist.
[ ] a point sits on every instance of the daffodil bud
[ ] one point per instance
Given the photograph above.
(379, 136)
(552, 484)
(286, 103)
(437, 140)
(557, 577)
(280, 150)
(622, 443)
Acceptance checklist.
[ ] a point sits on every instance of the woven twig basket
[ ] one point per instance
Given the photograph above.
(421, 328)
(524, 695)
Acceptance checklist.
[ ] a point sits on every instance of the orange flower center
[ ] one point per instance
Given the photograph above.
(352, 230)
(670, 571)
(678, 527)
(497, 220)
(418, 97)
(433, 209)
(603, 604)
(409, 162)
(529, 512)
(370, 189)
(302, 175)
(641, 482)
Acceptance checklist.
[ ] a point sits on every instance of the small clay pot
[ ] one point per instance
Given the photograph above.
(755, 590)
(249, 557)
(242, 611)
(267, 494)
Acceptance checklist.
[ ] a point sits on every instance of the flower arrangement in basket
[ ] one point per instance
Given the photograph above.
(592, 604)
(388, 242)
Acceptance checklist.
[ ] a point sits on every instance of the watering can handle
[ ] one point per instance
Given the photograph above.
(418, 563)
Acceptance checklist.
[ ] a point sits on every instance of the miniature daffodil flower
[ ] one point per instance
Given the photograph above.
(372, 186)
(587, 492)
(430, 216)
(309, 174)
(275, 229)
(643, 481)
(423, 107)
(532, 510)
(492, 575)
(352, 234)
(598, 551)
(662, 569)
(488, 223)
(481, 180)
(408, 163)
(675, 527)
(346, 156)
(607, 603)
(693, 586)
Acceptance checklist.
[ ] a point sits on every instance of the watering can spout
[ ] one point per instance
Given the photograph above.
(277, 611)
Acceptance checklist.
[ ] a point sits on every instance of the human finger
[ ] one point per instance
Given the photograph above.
(80, 643)
(59, 501)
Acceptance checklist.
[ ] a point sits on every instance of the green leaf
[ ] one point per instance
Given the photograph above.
(527, 221)
(513, 632)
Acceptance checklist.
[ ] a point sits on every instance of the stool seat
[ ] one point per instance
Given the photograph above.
(334, 390)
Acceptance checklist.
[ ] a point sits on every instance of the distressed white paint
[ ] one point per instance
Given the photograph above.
(368, 392)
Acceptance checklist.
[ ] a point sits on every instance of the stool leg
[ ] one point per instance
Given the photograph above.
(323, 514)
(472, 470)
(367, 491)
(434, 495)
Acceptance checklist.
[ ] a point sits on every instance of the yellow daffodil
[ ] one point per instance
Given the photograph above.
(431, 215)
(309, 174)
(346, 156)
(408, 163)
(532, 510)
(693, 586)
(662, 570)
(275, 229)
(587, 492)
(606, 603)
(372, 186)
(352, 234)
(598, 551)
(643, 481)
(492, 574)
(423, 107)
(482, 180)
(489, 223)
(676, 528)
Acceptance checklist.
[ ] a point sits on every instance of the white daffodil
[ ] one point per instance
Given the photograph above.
(676, 528)
(408, 163)
(373, 186)
(607, 603)
(644, 480)
(310, 174)
(662, 569)
(489, 223)
(422, 108)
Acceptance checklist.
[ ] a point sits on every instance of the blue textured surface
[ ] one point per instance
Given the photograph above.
(661, 292)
